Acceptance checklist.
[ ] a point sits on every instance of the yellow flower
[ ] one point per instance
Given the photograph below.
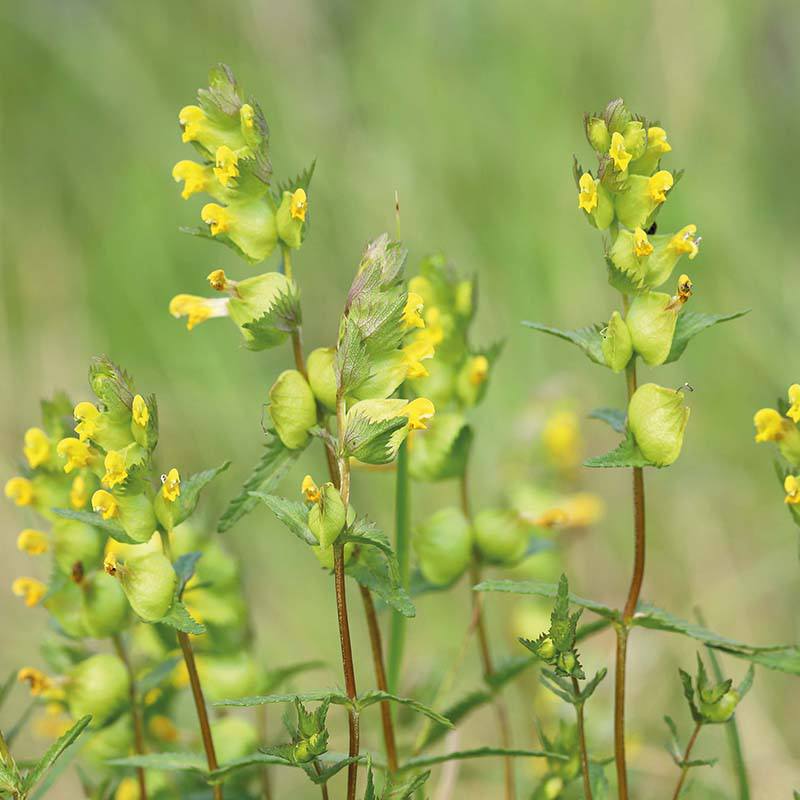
(180, 675)
(657, 139)
(31, 590)
(152, 696)
(197, 309)
(77, 453)
(171, 486)
(88, 416)
(20, 490)
(641, 244)
(38, 683)
(412, 313)
(298, 205)
(310, 490)
(792, 488)
(79, 492)
(552, 518)
(162, 728)
(686, 241)
(659, 184)
(191, 119)
(55, 722)
(37, 447)
(619, 155)
(196, 177)
(433, 322)
(32, 542)
(218, 280)
(587, 196)
(583, 509)
(418, 350)
(562, 439)
(794, 399)
(141, 413)
(478, 370)
(226, 165)
(217, 217)
(105, 503)
(417, 412)
(770, 425)
(116, 469)
(247, 116)
(128, 789)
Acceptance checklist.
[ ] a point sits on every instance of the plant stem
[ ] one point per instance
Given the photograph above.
(261, 719)
(380, 676)
(136, 711)
(630, 608)
(685, 768)
(200, 705)
(286, 254)
(402, 517)
(587, 785)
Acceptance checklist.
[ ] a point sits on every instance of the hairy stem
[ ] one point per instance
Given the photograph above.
(136, 712)
(629, 610)
(402, 517)
(587, 785)
(685, 767)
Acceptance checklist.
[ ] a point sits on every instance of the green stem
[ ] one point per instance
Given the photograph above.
(587, 784)
(685, 767)
(287, 261)
(402, 518)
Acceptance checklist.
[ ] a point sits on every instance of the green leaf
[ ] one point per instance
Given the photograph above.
(478, 752)
(591, 685)
(9, 779)
(283, 317)
(157, 675)
(292, 513)
(54, 752)
(406, 789)
(691, 323)
(274, 463)
(180, 619)
(186, 503)
(229, 767)
(598, 781)
(95, 519)
(508, 669)
(587, 339)
(373, 572)
(165, 762)
(184, 567)
(326, 774)
(370, 698)
(615, 417)
(277, 677)
(626, 454)
(550, 590)
(337, 698)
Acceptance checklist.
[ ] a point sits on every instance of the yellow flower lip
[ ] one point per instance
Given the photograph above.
(587, 194)
(191, 119)
(659, 184)
(641, 244)
(226, 165)
(478, 370)
(116, 469)
(77, 453)
(105, 503)
(310, 490)
(195, 177)
(171, 485)
(619, 155)
(794, 398)
(20, 491)
(686, 241)
(79, 492)
(412, 313)
(419, 349)
(33, 542)
(31, 590)
(217, 217)
(197, 309)
(36, 447)
(418, 412)
(88, 417)
(792, 488)
(298, 204)
(657, 139)
(141, 413)
(219, 281)
(38, 682)
(770, 425)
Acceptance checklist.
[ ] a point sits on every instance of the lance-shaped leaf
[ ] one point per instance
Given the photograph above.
(186, 502)
(292, 513)
(284, 316)
(166, 762)
(370, 698)
(691, 323)
(184, 567)
(158, 675)
(53, 753)
(277, 677)
(374, 430)
(95, 518)
(478, 752)
(178, 617)
(626, 454)
(615, 417)
(587, 339)
(398, 789)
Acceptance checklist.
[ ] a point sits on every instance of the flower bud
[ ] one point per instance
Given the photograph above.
(651, 322)
(720, 710)
(98, 686)
(293, 408)
(443, 544)
(597, 134)
(657, 419)
(657, 146)
(148, 581)
(291, 217)
(473, 379)
(567, 661)
(326, 517)
(500, 536)
(616, 115)
(253, 298)
(616, 344)
(635, 139)
(76, 541)
(322, 377)
(105, 607)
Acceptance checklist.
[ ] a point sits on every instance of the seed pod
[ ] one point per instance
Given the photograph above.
(500, 536)
(386, 374)
(651, 323)
(98, 686)
(657, 419)
(617, 345)
(443, 544)
(105, 608)
(148, 581)
(293, 408)
(322, 377)
(76, 541)
(641, 197)
(326, 518)
(65, 604)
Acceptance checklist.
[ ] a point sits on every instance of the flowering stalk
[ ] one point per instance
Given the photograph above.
(685, 768)
(587, 784)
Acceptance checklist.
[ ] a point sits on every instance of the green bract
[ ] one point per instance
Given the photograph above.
(149, 582)
(292, 408)
(657, 419)
(105, 608)
(617, 345)
(326, 517)
(651, 320)
(500, 536)
(443, 544)
(322, 377)
(98, 686)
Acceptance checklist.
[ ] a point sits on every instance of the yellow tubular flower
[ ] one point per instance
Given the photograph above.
(551, 518)
(171, 486)
(619, 155)
(433, 322)
(152, 696)
(686, 241)
(162, 728)
(38, 682)
(31, 590)
(128, 789)
(659, 184)
(87, 415)
(217, 217)
(657, 139)
(417, 412)
(247, 116)
(33, 542)
(218, 280)
(141, 413)
(562, 439)
(191, 119)
(197, 309)
(478, 370)
(20, 491)
(36, 447)
(77, 453)
(412, 313)
(794, 399)
(641, 244)
(79, 492)
(418, 350)
(54, 723)
(587, 194)
(792, 488)
(226, 165)
(116, 469)
(310, 490)
(195, 177)
(105, 503)
(298, 205)
(770, 425)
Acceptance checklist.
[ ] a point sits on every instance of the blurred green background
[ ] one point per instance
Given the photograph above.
(472, 112)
